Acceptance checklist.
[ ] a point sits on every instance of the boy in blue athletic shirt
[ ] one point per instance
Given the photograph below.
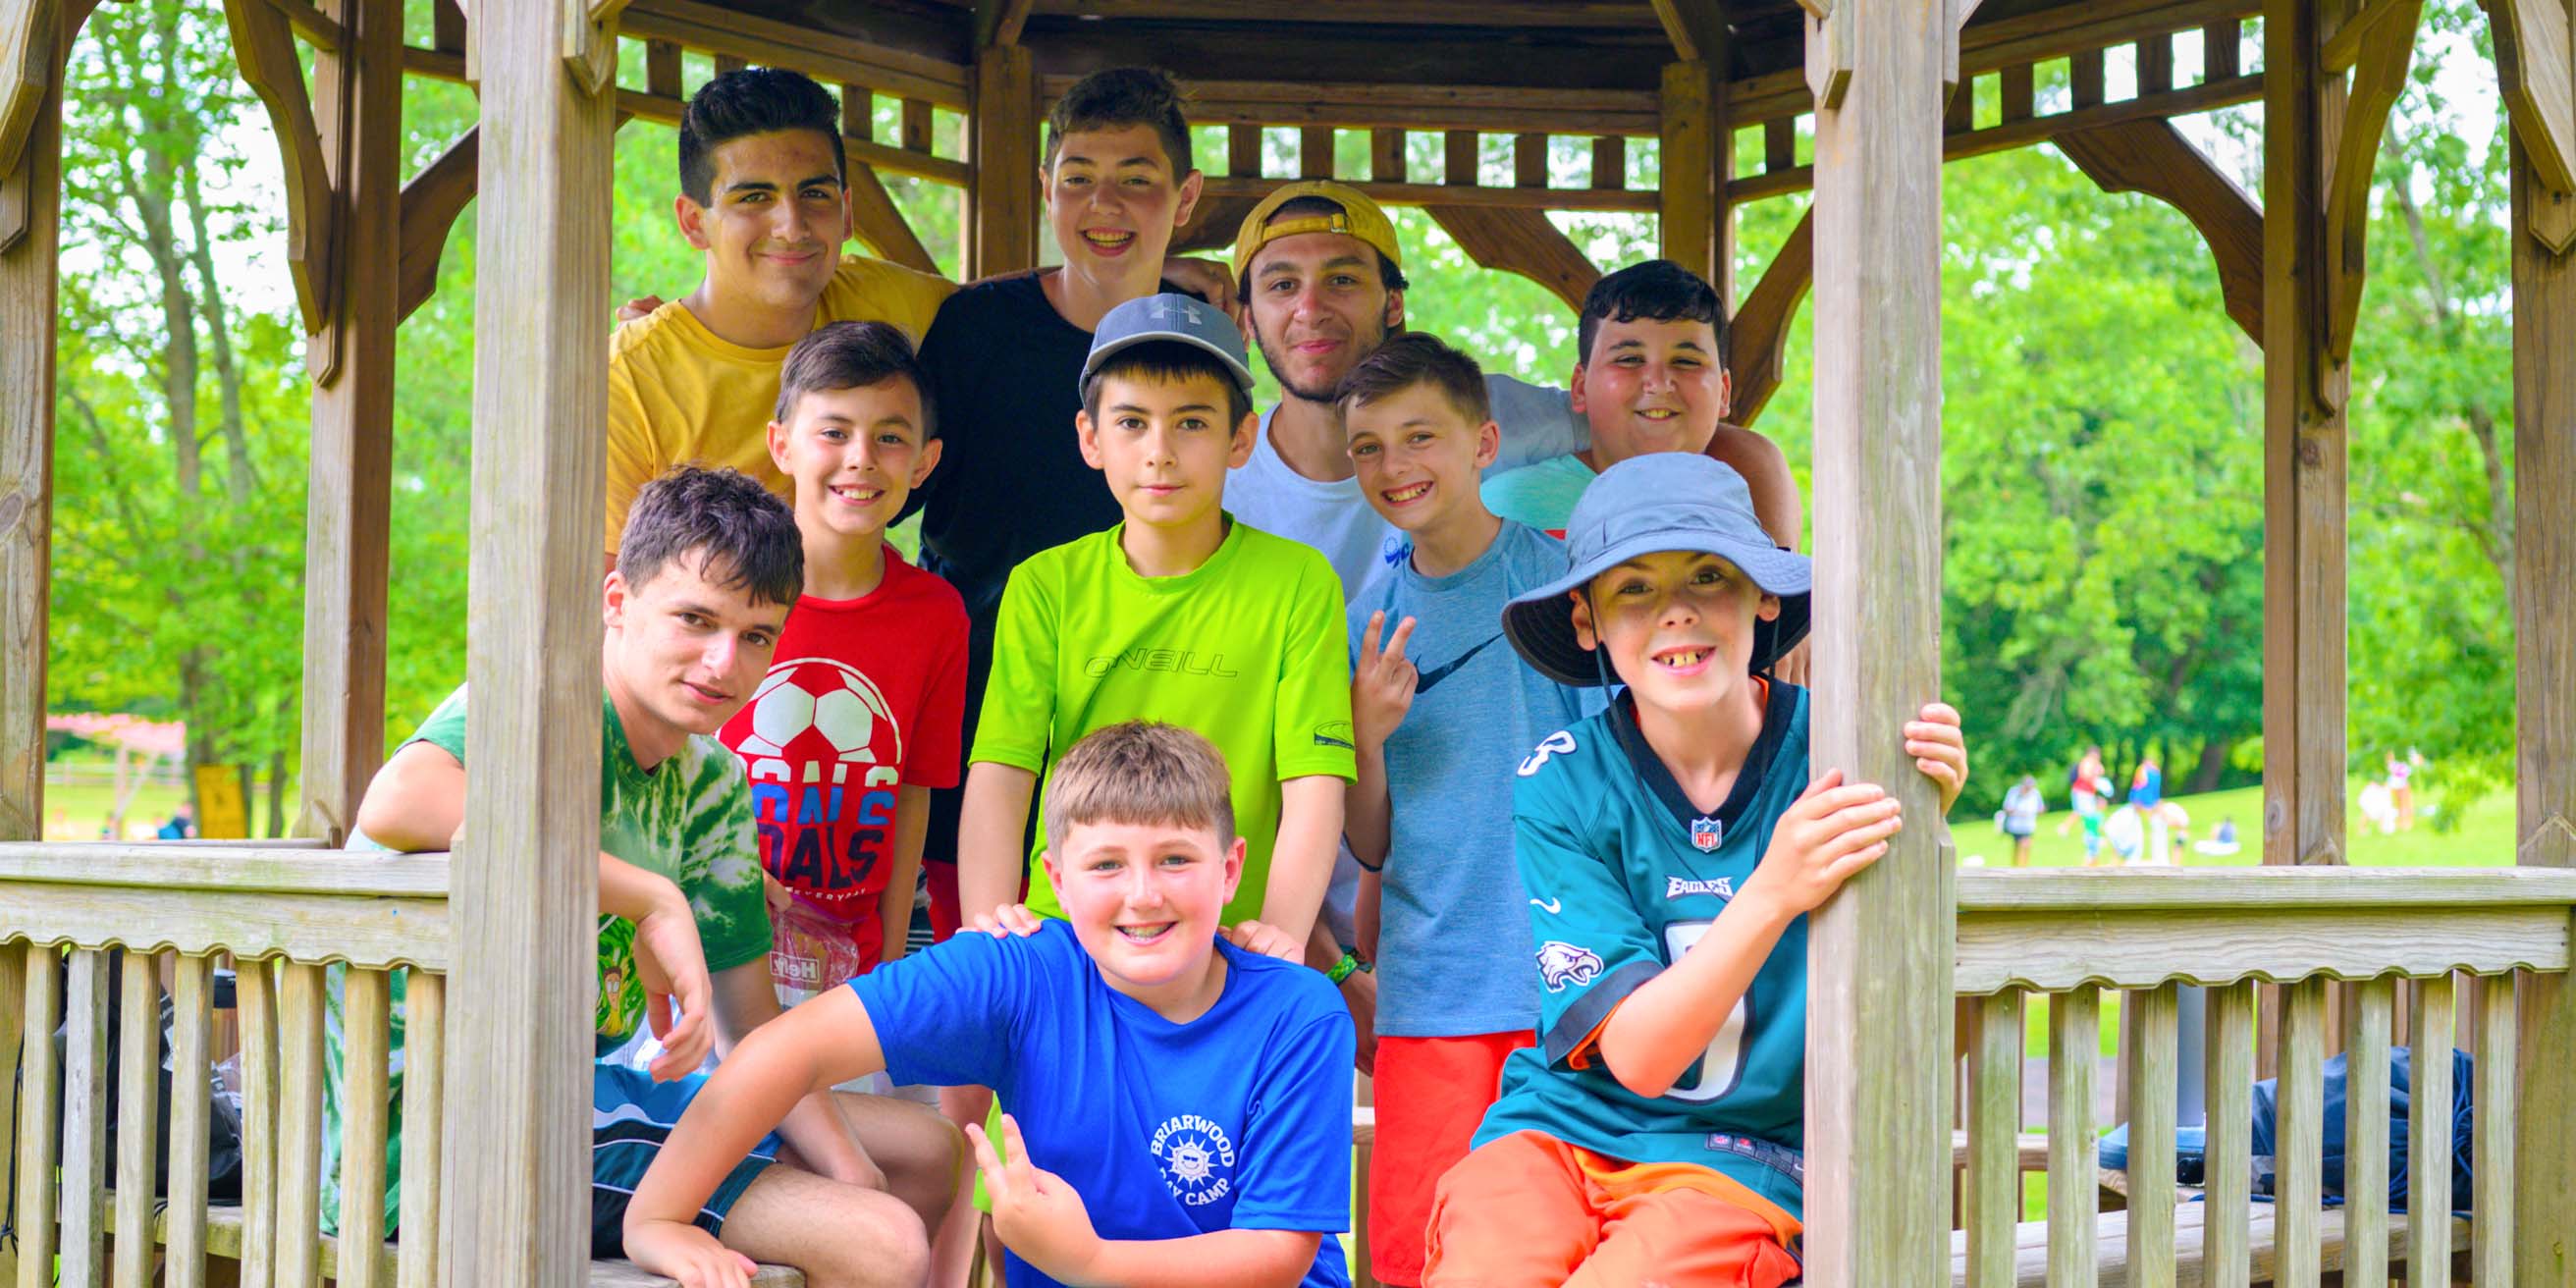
(1440, 708)
(1671, 847)
(1181, 1105)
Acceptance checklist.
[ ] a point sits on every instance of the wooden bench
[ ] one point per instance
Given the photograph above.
(2111, 1246)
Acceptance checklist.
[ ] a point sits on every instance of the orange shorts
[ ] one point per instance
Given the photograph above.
(1530, 1211)
(1431, 1093)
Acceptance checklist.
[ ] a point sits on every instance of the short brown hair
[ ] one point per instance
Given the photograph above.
(852, 355)
(1140, 771)
(1120, 96)
(1415, 358)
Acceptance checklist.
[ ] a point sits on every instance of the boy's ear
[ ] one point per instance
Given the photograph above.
(1245, 431)
(1769, 610)
(1233, 868)
(1395, 309)
(1574, 389)
(1725, 394)
(1489, 443)
(777, 433)
(692, 219)
(612, 600)
(927, 461)
(1192, 184)
(1583, 633)
(1086, 435)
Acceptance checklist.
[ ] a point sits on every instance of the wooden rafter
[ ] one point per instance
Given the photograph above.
(1757, 337)
(2378, 76)
(2152, 157)
(430, 204)
(1523, 242)
(999, 22)
(1696, 29)
(2536, 58)
(264, 45)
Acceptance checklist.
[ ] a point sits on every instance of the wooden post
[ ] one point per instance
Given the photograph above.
(526, 894)
(348, 509)
(31, 202)
(1879, 957)
(1693, 164)
(2303, 457)
(2544, 556)
(1007, 157)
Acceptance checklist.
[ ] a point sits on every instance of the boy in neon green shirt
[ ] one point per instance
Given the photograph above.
(1179, 614)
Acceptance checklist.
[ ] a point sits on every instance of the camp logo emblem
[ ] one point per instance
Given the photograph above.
(1707, 834)
(1561, 963)
(1197, 1159)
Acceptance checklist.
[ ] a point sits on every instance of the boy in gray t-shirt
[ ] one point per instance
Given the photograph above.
(1430, 816)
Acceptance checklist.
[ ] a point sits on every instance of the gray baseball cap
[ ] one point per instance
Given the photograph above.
(1659, 501)
(1169, 316)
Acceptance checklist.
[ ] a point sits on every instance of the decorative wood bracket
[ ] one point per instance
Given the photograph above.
(1829, 51)
(30, 58)
(264, 44)
(881, 225)
(2380, 53)
(1213, 223)
(2535, 44)
(430, 204)
(1758, 336)
(590, 43)
(2552, 845)
(2152, 157)
(1523, 242)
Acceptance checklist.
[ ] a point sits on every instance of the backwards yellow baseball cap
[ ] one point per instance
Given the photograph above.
(1359, 217)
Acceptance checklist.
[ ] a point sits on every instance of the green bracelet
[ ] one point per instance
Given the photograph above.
(1342, 969)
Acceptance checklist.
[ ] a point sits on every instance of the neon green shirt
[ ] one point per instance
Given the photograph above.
(1247, 650)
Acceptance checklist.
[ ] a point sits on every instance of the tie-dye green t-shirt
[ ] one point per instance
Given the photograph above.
(688, 819)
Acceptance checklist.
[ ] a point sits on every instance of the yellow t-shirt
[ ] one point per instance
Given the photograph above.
(676, 393)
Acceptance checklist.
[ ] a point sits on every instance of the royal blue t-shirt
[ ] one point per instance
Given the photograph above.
(1239, 1119)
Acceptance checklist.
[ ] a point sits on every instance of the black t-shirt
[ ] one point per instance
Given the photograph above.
(1004, 368)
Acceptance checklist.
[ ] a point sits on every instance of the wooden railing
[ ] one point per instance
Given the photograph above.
(2071, 936)
(283, 916)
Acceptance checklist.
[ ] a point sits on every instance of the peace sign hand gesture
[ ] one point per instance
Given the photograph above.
(1382, 684)
(1035, 1212)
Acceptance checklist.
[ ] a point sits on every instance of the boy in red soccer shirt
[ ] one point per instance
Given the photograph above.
(858, 719)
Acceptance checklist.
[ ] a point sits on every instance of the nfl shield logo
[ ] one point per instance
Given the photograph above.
(1707, 834)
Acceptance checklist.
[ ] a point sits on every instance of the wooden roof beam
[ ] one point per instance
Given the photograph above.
(828, 56)
(1407, 13)
(1442, 194)
(1360, 105)
(1697, 31)
(999, 22)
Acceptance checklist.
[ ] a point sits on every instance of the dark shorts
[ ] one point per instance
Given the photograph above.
(631, 1116)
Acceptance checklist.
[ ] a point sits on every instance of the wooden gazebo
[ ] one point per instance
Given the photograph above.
(1879, 87)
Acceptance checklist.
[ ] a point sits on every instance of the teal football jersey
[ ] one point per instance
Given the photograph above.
(1623, 877)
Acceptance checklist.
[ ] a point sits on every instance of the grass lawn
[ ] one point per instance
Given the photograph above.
(75, 811)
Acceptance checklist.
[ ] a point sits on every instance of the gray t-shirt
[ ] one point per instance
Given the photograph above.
(1454, 928)
(1536, 423)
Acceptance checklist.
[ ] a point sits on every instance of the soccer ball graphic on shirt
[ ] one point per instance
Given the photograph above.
(818, 712)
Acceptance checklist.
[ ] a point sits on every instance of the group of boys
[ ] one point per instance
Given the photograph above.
(1241, 669)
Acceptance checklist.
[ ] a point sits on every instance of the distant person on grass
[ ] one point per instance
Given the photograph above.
(2019, 817)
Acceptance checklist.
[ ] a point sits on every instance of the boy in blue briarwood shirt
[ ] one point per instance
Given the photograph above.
(1182, 1106)
(1441, 707)
(1670, 848)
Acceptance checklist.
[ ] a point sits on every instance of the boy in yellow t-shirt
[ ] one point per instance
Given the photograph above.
(1180, 614)
(763, 194)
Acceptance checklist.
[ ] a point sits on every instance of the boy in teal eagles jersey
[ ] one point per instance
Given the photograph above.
(1671, 847)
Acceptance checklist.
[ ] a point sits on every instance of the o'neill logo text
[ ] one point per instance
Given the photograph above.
(1170, 661)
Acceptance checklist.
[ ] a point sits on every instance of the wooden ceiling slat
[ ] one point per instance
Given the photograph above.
(1441, 194)
(718, 30)
(1616, 14)
(1360, 105)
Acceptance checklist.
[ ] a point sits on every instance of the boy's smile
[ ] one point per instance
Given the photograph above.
(1418, 459)
(1650, 386)
(1145, 900)
(1163, 446)
(853, 456)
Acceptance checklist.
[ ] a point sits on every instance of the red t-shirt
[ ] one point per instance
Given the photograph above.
(866, 696)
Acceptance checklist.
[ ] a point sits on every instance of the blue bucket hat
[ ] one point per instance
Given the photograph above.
(1656, 502)
(1169, 316)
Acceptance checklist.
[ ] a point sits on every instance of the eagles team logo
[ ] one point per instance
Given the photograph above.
(1707, 834)
(1196, 1157)
(1561, 963)
(825, 757)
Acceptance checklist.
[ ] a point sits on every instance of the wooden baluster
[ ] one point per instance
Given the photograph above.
(2084, 76)
(13, 1019)
(1779, 144)
(300, 1041)
(424, 1107)
(41, 1081)
(1386, 156)
(662, 69)
(1994, 1119)
(727, 63)
(915, 134)
(2151, 1016)
(1315, 152)
(2428, 1135)
(2492, 1126)
(364, 1035)
(1458, 156)
(255, 1005)
(1243, 151)
(858, 113)
(85, 1079)
(2074, 1157)
(1610, 162)
(2365, 1175)
(2228, 1186)
(1959, 115)
(138, 1117)
(2020, 93)
(1529, 161)
(2299, 1146)
(192, 1021)
(2155, 64)
(2220, 50)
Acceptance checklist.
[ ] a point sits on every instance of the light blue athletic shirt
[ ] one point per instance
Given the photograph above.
(1454, 934)
(1540, 495)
